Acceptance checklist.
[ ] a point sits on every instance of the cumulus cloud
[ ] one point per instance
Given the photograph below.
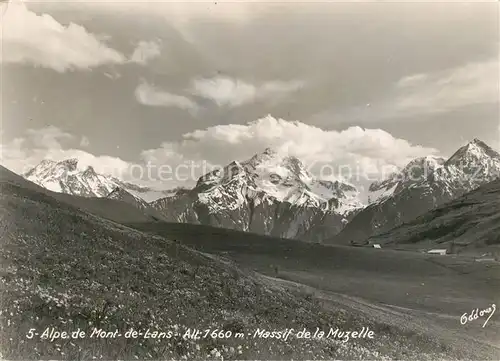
(356, 150)
(150, 95)
(225, 91)
(84, 142)
(145, 51)
(23, 153)
(12, 153)
(49, 137)
(366, 154)
(42, 41)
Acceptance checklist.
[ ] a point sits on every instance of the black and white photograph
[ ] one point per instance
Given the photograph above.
(249, 180)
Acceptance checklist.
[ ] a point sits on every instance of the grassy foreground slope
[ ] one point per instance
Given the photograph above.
(67, 269)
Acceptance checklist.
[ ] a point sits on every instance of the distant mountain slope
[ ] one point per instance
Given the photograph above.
(66, 269)
(68, 177)
(112, 209)
(471, 166)
(121, 194)
(414, 172)
(270, 194)
(470, 221)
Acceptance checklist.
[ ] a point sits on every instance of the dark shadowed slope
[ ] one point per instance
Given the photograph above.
(67, 269)
(470, 222)
(121, 194)
(115, 210)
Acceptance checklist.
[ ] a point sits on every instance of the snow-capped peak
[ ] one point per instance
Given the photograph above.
(474, 151)
(271, 161)
(469, 167)
(70, 176)
(415, 171)
(49, 168)
(66, 177)
(270, 152)
(277, 176)
(71, 164)
(89, 170)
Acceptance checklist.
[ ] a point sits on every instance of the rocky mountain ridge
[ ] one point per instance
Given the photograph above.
(470, 167)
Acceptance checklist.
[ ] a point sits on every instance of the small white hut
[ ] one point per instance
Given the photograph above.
(441, 252)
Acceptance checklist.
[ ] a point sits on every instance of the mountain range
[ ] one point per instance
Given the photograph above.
(274, 194)
(68, 177)
(422, 186)
(112, 208)
(270, 193)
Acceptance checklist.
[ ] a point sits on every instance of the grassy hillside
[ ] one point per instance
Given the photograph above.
(67, 269)
(218, 240)
(381, 275)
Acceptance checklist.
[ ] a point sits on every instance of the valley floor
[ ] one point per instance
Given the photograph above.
(411, 293)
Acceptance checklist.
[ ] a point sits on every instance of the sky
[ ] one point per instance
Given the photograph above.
(121, 84)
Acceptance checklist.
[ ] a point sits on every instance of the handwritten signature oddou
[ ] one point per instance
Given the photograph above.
(477, 314)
